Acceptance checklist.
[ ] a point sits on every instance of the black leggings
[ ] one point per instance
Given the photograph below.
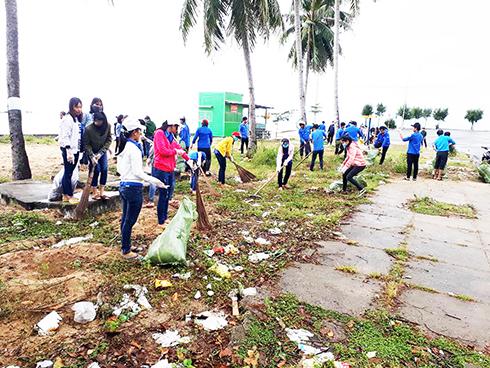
(313, 159)
(383, 154)
(284, 180)
(222, 166)
(412, 160)
(304, 147)
(207, 163)
(441, 160)
(243, 145)
(338, 147)
(349, 177)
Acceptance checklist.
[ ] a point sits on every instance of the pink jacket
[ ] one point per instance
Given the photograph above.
(165, 152)
(354, 156)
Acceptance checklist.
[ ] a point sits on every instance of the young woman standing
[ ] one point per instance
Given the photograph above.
(166, 149)
(69, 140)
(130, 167)
(284, 162)
(97, 139)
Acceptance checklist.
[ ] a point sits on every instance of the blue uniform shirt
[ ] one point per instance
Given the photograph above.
(383, 140)
(205, 136)
(185, 135)
(318, 137)
(340, 133)
(442, 143)
(244, 130)
(322, 127)
(354, 132)
(304, 134)
(414, 142)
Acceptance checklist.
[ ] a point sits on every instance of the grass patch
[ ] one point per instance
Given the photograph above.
(376, 275)
(30, 139)
(429, 206)
(347, 269)
(398, 253)
(464, 298)
(422, 288)
(427, 258)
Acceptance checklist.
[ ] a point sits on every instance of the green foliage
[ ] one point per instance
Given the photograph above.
(429, 206)
(400, 254)
(416, 112)
(265, 156)
(473, 116)
(390, 124)
(380, 109)
(367, 110)
(427, 113)
(440, 114)
(405, 112)
(400, 164)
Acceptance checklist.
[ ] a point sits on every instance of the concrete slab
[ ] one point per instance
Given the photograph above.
(447, 316)
(379, 221)
(372, 237)
(449, 278)
(450, 234)
(330, 289)
(33, 195)
(365, 260)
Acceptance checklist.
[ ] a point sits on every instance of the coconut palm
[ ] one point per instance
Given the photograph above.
(316, 36)
(244, 20)
(20, 162)
(299, 51)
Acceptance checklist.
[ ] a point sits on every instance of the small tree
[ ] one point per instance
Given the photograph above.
(416, 112)
(390, 124)
(380, 110)
(367, 110)
(426, 113)
(440, 115)
(473, 116)
(405, 113)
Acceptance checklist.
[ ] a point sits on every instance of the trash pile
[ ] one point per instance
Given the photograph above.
(129, 305)
(72, 241)
(170, 338)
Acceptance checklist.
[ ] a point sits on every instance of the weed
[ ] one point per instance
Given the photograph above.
(427, 258)
(347, 269)
(102, 347)
(376, 275)
(397, 253)
(422, 288)
(429, 206)
(464, 298)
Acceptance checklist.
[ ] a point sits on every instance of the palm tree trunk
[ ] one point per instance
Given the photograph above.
(20, 162)
(251, 90)
(299, 60)
(308, 63)
(336, 51)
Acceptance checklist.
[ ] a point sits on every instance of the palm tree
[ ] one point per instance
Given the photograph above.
(20, 162)
(299, 64)
(316, 36)
(244, 20)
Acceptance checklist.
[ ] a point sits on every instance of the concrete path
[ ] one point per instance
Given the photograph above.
(458, 251)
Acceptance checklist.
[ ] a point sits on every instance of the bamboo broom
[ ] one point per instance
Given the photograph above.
(84, 199)
(202, 219)
(245, 175)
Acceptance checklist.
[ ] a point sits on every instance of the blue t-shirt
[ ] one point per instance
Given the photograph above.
(205, 137)
(414, 142)
(185, 135)
(244, 130)
(442, 143)
(304, 133)
(322, 127)
(318, 137)
(354, 132)
(383, 140)
(340, 133)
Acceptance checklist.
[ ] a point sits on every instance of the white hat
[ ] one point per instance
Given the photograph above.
(131, 124)
(176, 123)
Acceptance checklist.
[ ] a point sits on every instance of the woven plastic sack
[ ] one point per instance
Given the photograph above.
(484, 171)
(371, 155)
(171, 246)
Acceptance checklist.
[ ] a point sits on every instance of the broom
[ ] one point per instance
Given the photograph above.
(83, 204)
(202, 219)
(212, 191)
(245, 175)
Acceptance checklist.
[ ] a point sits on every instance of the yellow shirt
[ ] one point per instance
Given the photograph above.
(224, 147)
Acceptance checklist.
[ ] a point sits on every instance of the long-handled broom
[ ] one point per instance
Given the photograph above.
(83, 204)
(245, 175)
(202, 219)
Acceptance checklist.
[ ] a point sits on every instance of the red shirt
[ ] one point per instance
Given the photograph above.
(165, 152)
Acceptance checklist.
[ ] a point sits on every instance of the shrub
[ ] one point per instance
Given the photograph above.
(265, 156)
(390, 124)
(400, 164)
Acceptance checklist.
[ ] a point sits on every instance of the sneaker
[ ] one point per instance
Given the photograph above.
(407, 179)
(414, 179)
(131, 256)
(362, 192)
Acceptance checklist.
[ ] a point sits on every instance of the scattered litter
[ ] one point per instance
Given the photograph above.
(231, 249)
(197, 295)
(93, 365)
(44, 364)
(251, 291)
(162, 364)
(233, 295)
(128, 304)
(94, 224)
(408, 277)
(275, 231)
(210, 292)
(182, 276)
(255, 204)
(209, 252)
(238, 268)
(281, 224)
(218, 250)
(301, 337)
(317, 361)
(245, 233)
(341, 365)
(258, 257)
(57, 223)
(450, 293)
(370, 354)
(221, 270)
(262, 241)
(170, 338)
(209, 286)
(49, 324)
(162, 284)
(85, 312)
(72, 241)
(240, 191)
(211, 321)
(248, 239)
(310, 215)
(265, 214)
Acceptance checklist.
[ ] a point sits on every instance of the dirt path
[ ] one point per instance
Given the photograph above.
(440, 284)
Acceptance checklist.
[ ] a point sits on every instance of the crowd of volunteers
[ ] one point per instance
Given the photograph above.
(147, 153)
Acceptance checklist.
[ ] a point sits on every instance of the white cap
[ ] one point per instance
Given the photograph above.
(131, 124)
(176, 123)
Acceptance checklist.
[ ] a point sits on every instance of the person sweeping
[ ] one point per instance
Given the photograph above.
(284, 163)
(353, 164)
(222, 152)
(130, 167)
(97, 139)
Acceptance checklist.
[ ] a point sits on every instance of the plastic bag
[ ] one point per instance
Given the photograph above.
(484, 171)
(371, 155)
(171, 246)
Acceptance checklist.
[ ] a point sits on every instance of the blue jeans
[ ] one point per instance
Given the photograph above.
(164, 194)
(151, 192)
(131, 200)
(194, 178)
(66, 181)
(100, 169)
(222, 166)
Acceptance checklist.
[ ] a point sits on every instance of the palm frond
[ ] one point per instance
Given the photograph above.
(215, 13)
(188, 17)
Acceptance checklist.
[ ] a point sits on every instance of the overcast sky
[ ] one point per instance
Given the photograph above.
(427, 53)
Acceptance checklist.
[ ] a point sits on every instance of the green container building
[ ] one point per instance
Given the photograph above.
(224, 111)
